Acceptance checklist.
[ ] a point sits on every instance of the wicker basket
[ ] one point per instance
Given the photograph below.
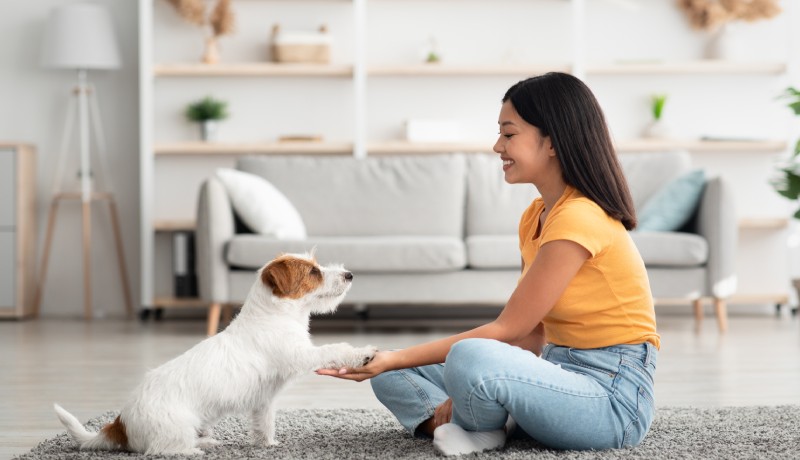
(311, 47)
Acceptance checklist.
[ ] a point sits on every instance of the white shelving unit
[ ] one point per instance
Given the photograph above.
(355, 74)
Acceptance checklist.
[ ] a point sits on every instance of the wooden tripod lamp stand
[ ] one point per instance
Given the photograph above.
(80, 36)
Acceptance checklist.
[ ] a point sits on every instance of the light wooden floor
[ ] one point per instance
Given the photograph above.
(91, 367)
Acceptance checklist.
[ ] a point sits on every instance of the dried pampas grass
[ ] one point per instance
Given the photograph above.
(711, 14)
(221, 20)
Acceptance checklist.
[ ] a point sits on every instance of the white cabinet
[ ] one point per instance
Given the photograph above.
(17, 230)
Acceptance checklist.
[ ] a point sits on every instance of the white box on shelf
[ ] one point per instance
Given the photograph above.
(426, 130)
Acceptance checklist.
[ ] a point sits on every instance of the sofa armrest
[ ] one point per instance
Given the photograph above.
(215, 227)
(716, 222)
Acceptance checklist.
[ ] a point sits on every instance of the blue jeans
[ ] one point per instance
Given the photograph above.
(568, 398)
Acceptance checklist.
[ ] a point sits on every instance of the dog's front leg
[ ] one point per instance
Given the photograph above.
(264, 426)
(340, 355)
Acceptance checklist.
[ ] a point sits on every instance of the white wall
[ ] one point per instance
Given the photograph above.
(34, 109)
(505, 31)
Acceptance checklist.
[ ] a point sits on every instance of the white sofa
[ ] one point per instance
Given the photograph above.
(442, 229)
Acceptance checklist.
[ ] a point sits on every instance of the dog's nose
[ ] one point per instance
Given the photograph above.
(348, 276)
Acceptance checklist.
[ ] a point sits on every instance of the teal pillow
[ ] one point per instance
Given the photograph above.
(672, 206)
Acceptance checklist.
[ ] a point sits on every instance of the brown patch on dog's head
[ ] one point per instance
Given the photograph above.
(291, 277)
(115, 432)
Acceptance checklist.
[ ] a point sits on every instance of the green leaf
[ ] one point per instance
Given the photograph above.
(791, 188)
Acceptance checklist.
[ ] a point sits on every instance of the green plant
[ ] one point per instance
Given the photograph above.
(657, 105)
(206, 109)
(787, 181)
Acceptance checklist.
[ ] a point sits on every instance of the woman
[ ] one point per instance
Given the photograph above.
(571, 357)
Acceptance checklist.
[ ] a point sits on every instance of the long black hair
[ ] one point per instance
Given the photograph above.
(563, 107)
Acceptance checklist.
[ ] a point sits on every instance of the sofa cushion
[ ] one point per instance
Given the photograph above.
(671, 249)
(271, 214)
(494, 206)
(493, 251)
(672, 206)
(365, 253)
(346, 196)
(647, 173)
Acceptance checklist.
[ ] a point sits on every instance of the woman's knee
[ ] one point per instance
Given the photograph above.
(467, 356)
(383, 383)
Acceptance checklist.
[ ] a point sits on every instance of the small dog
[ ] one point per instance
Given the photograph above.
(239, 370)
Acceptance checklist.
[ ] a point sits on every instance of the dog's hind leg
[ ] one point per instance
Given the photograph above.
(205, 436)
(264, 426)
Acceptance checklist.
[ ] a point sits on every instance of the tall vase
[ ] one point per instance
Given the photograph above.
(719, 44)
(211, 53)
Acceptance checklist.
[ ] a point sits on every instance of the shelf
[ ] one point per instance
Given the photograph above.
(658, 145)
(247, 148)
(688, 68)
(174, 225)
(772, 223)
(400, 147)
(437, 70)
(251, 69)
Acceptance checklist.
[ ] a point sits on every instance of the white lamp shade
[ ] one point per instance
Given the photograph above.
(80, 36)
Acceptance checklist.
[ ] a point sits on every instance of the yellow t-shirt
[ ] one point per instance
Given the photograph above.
(608, 302)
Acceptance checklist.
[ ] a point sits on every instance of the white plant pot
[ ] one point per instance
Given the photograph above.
(208, 130)
(656, 129)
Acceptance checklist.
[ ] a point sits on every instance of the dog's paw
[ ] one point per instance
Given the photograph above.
(207, 442)
(360, 357)
(369, 354)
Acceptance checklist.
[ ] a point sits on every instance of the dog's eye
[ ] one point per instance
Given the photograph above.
(315, 271)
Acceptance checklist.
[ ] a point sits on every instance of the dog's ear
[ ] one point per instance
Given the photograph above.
(277, 275)
(289, 277)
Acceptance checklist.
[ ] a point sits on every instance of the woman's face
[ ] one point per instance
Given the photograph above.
(527, 156)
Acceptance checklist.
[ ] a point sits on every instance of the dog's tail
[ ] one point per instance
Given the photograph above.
(110, 437)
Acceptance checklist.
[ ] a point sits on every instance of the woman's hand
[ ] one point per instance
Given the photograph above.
(443, 413)
(379, 364)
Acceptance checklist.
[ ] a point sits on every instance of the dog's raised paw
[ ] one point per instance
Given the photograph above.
(369, 354)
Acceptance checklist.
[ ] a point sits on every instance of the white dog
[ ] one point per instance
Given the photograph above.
(239, 370)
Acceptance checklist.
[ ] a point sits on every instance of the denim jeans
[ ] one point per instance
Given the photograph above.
(568, 398)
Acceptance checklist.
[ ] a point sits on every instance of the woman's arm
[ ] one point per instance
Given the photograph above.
(556, 264)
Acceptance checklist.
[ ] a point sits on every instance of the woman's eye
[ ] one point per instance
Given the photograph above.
(508, 136)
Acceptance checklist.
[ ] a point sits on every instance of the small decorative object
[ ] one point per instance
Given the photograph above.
(207, 111)
(787, 182)
(220, 22)
(713, 15)
(307, 47)
(432, 53)
(657, 129)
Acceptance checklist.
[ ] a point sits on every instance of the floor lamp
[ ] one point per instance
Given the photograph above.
(80, 37)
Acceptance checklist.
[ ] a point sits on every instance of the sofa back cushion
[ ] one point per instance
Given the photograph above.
(494, 207)
(647, 173)
(346, 196)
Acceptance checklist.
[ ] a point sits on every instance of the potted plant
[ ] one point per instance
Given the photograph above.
(218, 22)
(714, 15)
(207, 111)
(656, 129)
(787, 180)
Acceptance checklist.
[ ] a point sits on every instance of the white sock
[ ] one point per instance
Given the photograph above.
(511, 426)
(451, 439)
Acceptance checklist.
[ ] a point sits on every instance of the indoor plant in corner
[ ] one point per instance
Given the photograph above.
(207, 112)
(787, 181)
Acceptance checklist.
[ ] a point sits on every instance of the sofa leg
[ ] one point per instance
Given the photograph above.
(721, 310)
(362, 311)
(227, 314)
(214, 312)
(698, 310)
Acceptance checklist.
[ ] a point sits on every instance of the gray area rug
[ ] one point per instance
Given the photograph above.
(677, 433)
